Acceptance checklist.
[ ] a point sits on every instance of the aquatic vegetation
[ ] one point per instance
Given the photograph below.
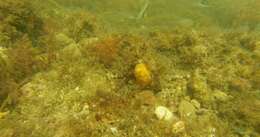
(78, 71)
(163, 113)
(107, 50)
(80, 25)
(19, 19)
(22, 60)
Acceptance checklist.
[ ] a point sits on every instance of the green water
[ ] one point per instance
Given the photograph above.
(130, 68)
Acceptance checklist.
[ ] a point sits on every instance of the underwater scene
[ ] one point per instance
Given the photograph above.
(129, 68)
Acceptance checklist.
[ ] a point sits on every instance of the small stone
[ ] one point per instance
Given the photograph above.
(114, 130)
(178, 127)
(77, 88)
(163, 113)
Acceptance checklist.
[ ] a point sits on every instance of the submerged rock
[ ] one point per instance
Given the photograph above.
(71, 51)
(63, 39)
(163, 113)
(178, 127)
(187, 109)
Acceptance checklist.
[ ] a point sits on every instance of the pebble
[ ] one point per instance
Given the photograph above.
(163, 113)
(178, 127)
(114, 130)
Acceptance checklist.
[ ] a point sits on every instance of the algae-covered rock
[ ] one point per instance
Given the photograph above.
(178, 127)
(63, 39)
(187, 110)
(71, 51)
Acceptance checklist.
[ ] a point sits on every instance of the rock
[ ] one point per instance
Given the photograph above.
(187, 109)
(71, 51)
(114, 130)
(178, 127)
(163, 113)
(63, 39)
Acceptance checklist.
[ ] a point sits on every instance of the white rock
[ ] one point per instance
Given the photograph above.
(114, 130)
(163, 113)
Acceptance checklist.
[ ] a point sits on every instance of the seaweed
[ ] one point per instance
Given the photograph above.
(65, 74)
(19, 19)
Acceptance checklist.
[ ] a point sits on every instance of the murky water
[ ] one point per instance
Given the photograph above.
(130, 68)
